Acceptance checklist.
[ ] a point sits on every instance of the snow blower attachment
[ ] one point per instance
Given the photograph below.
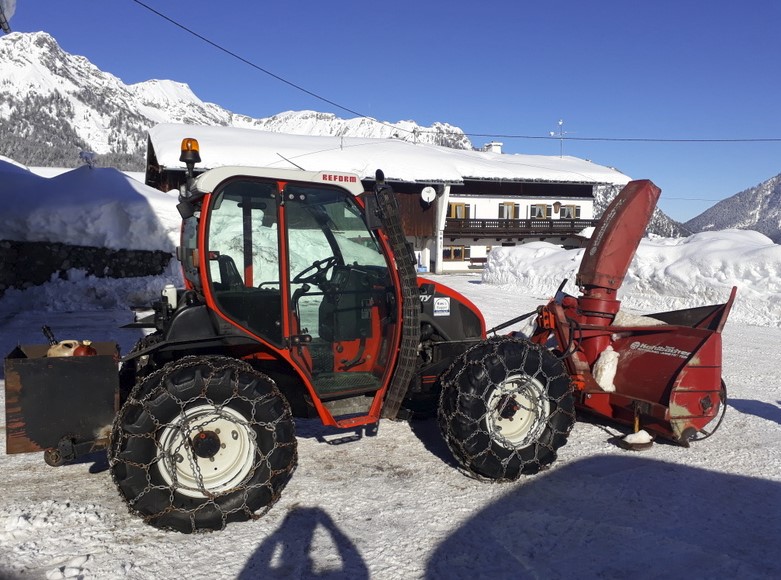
(662, 374)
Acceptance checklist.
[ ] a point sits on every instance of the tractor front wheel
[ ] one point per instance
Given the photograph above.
(506, 407)
(202, 442)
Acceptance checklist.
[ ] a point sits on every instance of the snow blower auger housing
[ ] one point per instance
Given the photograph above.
(301, 298)
(660, 373)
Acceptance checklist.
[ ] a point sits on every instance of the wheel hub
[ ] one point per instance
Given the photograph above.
(517, 411)
(207, 450)
(508, 407)
(206, 444)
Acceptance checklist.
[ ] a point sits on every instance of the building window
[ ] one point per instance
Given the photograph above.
(458, 211)
(455, 253)
(509, 211)
(540, 211)
(569, 212)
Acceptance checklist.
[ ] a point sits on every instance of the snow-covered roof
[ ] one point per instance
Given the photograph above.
(400, 160)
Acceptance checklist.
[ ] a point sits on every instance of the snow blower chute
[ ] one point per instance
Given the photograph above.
(660, 373)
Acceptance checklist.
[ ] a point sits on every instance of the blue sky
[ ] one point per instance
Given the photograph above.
(663, 70)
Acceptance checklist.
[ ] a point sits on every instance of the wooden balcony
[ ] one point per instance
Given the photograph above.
(499, 229)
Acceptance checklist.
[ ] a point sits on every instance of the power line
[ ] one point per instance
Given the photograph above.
(557, 136)
(690, 199)
(629, 139)
(260, 68)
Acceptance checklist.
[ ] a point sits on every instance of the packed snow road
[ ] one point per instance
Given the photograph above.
(396, 506)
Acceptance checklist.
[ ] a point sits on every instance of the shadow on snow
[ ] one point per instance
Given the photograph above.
(757, 408)
(616, 517)
(287, 552)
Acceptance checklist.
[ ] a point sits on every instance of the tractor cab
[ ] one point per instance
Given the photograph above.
(287, 258)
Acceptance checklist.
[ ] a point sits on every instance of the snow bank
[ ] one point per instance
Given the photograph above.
(666, 273)
(80, 292)
(99, 207)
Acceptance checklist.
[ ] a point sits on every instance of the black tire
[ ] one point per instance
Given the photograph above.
(202, 442)
(506, 407)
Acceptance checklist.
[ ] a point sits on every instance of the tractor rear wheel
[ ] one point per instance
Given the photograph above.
(202, 442)
(506, 407)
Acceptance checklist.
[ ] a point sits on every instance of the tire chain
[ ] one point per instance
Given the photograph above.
(150, 387)
(544, 449)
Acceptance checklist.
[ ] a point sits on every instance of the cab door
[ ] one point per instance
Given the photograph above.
(243, 257)
(340, 293)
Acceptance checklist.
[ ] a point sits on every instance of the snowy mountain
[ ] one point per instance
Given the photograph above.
(66, 103)
(661, 224)
(757, 208)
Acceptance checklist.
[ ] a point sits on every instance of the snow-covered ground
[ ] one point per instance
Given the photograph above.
(396, 506)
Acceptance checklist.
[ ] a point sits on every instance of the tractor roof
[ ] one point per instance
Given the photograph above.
(207, 181)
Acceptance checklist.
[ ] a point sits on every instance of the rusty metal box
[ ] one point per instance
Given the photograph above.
(48, 399)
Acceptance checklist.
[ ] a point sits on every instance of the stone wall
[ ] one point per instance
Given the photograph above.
(26, 264)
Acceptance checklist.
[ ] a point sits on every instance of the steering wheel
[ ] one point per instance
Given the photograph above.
(316, 272)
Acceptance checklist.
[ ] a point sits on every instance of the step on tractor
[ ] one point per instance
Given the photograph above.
(301, 299)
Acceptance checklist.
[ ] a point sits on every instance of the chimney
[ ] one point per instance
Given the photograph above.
(493, 147)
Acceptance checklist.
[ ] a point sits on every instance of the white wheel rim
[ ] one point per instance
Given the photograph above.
(518, 411)
(202, 477)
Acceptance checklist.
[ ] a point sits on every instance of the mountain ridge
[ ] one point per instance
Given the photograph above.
(63, 101)
(757, 208)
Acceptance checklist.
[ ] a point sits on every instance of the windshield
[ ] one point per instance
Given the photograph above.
(326, 222)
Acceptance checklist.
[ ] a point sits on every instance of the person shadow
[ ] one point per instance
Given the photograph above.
(300, 548)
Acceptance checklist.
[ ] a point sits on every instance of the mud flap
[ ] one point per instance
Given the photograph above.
(60, 402)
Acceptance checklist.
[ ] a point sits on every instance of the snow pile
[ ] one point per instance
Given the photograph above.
(99, 207)
(666, 273)
(80, 292)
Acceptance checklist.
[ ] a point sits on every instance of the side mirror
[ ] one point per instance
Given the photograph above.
(372, 211)
(186, 209)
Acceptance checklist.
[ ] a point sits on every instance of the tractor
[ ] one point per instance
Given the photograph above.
(301, 299)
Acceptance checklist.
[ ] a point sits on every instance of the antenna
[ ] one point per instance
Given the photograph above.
(560, 135)
(289, 161)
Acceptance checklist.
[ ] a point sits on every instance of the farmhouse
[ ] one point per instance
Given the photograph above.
(456, 204)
